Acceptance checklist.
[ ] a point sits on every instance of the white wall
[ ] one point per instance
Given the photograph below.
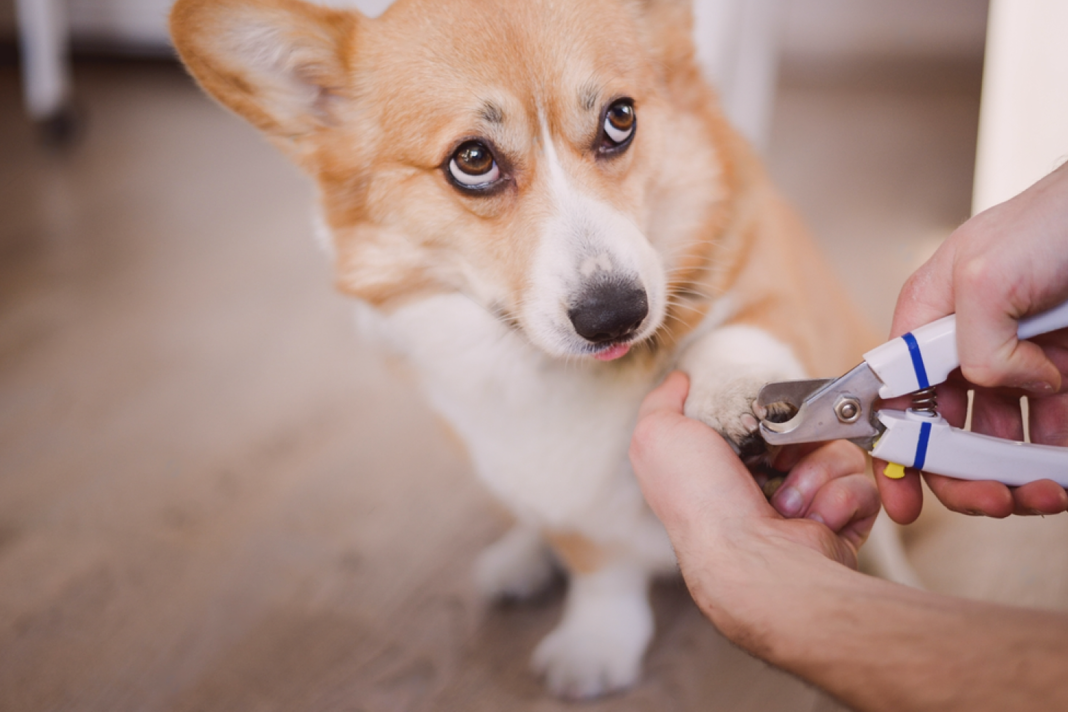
(1023, 122)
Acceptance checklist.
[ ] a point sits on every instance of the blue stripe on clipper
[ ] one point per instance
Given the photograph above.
(917, 360)
(921, 446)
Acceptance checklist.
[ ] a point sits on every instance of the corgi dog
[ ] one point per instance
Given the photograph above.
(542, 206)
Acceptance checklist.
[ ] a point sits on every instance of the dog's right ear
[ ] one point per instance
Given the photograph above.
(281, 64)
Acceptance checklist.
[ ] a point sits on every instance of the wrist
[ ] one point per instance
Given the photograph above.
(762, 592)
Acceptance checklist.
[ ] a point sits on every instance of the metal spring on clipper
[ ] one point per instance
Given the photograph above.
(925, 402)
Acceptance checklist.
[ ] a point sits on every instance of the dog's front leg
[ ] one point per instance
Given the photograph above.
(598, 646)
(727, 369)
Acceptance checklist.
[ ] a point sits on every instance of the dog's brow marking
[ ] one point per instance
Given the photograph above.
(492, 113)
(588, 97)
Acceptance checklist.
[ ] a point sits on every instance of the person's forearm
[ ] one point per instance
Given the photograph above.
(881, 646)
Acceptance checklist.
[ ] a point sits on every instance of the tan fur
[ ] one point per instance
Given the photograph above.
(578, 553)
(782, 277)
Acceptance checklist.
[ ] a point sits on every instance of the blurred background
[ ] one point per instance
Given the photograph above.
(213, 496)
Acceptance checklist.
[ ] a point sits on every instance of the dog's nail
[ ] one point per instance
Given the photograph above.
(788, 501)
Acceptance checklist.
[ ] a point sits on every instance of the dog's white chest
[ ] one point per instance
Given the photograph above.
(549, 438)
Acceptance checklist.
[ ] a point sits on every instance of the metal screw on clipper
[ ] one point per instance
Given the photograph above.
(847, 408)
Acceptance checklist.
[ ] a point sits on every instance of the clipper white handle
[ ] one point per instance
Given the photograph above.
(933, 445)
(926, 356)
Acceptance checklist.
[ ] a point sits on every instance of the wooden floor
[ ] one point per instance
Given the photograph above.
(214, 497)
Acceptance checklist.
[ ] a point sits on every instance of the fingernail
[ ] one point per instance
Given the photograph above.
(973, 512)
(817, 518)
(788, 501)
(1039, 387)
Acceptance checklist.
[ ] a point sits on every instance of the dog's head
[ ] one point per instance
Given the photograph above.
(558, 162)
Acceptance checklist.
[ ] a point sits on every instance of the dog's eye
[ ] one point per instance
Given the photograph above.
(619, 124)
(473, 166)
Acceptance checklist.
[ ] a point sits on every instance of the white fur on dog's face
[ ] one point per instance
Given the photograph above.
(581, 242)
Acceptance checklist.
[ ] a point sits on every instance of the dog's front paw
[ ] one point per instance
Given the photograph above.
(584, 660)
(727, 369)
(598, 647)
(516, 566)
(729, 408)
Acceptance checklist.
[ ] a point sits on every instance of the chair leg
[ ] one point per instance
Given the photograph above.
(43, 35)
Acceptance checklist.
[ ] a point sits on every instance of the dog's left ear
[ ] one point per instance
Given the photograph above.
(281, 64)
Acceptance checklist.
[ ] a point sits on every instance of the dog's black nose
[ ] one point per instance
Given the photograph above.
(609, 311)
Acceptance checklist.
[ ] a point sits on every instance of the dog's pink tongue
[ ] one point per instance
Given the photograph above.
(612, 352)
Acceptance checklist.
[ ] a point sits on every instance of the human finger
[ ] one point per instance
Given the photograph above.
(987, 322)
(669, 396)
(848, 506)
(790, 455)
(687, 472)
(1055, 344)
(953, 399)
(813, 472)
(1049, 420)
(1040, 497)
(928, 293)
(997, 282)
(997, 413)
(977, 498)
(902, 497)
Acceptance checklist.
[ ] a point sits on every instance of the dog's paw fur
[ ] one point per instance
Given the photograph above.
(727, 370)
(588, 657)
(729, 408)
(598, 646)
(517, 566)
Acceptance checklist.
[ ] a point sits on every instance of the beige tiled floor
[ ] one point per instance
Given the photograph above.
(213, 497)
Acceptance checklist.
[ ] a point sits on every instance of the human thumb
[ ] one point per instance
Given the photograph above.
(687, 472)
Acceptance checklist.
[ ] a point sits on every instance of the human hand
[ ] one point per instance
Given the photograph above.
(734, 548)
(1004, 264)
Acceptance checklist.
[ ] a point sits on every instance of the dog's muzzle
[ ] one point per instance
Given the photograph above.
(609, 311)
